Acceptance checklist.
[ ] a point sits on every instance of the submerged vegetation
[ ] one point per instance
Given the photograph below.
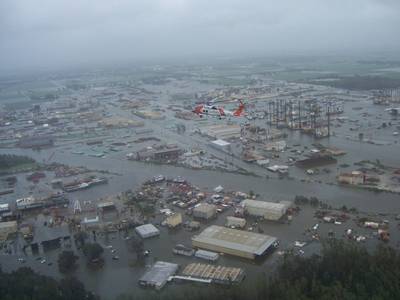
(25, 284)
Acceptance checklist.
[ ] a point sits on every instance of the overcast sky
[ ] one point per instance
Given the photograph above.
(56, 33)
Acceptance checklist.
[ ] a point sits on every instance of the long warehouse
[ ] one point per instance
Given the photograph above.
(234, 242)
(268, 210)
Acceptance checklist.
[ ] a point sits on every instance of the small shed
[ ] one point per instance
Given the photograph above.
(235, 222)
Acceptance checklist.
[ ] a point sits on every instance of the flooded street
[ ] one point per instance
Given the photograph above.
(104, 150)
(118, 277)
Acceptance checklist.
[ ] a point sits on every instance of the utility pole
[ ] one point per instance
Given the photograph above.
(329, 121)
(299, 114)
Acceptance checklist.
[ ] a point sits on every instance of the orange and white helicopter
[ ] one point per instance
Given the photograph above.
(213, 110)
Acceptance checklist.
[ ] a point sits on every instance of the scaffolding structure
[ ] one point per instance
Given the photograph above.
(309, 116)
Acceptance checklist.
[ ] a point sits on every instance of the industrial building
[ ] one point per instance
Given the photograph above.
(223, 132)
(205, 211)
(234, 242)
(158, 153)
(147, 230)
(28, 203)
(49, 237)
(268, 210)
(158, 274)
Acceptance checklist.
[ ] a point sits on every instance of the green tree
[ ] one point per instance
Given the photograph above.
(80, 238)
(25, 284)
(67, 261)
(136, 245)
(71, 288)
(93, 251)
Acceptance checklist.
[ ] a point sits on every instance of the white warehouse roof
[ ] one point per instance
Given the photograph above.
(221, 143)
(264, 205)
(147, 230)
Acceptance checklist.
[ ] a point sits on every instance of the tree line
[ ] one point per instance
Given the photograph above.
(342, 270)
(8, 161)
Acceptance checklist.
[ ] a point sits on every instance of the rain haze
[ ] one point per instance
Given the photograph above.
(199, 149)
(64, 33)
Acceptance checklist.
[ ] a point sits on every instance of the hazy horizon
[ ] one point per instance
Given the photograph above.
(64, 34)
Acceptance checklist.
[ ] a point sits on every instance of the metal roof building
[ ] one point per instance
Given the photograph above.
(268, 210)
(45, 233)
(232, 241)
(158, 274)
(207, 255)
(147, 230)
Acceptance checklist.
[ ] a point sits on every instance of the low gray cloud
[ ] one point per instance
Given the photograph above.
(57, 33)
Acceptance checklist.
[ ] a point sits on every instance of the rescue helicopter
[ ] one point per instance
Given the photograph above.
(219, 112)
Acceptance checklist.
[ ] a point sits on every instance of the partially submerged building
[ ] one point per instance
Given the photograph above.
(174, 220)
(223, 132)
(234, 242)
(216, 274)
(158, 274)
(316, 161)
(158, 153)
(268, 210)
(147, 230)
(205, 211)
(49, 237)
(36, 142)
(221, 145)
(354, 178)
(207, 255)
(234, 222)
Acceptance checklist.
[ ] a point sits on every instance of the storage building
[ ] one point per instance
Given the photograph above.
(355, 177)
(268, 210)
(205, 211)
(235, 222)
(222, 132)
(147, 231)
(232, 241)
(207, 255)
(158, 274)
(174, 220)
